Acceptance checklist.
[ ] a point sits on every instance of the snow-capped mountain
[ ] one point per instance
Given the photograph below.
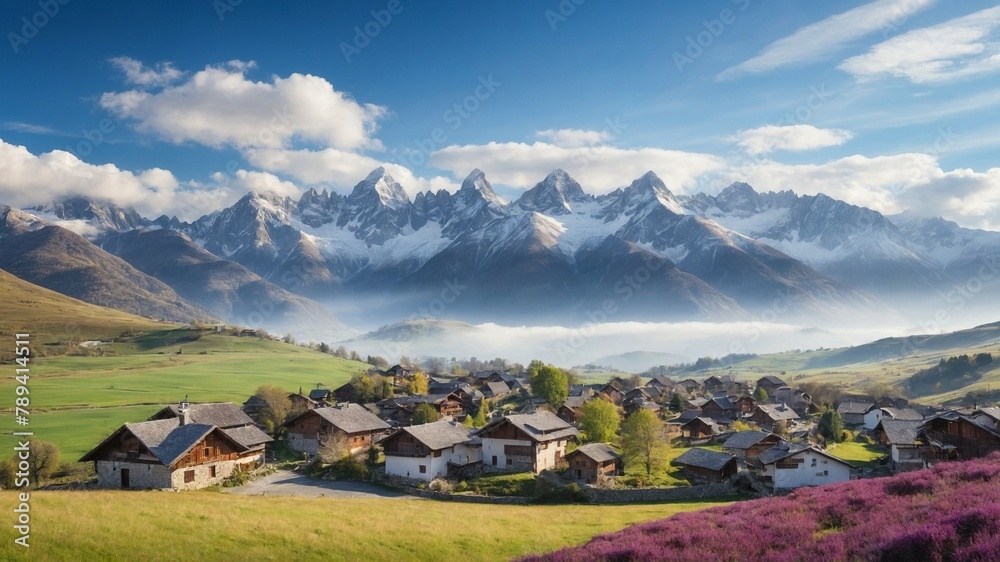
(558, 253)
(852, 244)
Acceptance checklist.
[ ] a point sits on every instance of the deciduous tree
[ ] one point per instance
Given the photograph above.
(424, 413)
(599, 420)
(644, 440)
(551, 384)
(277, 406)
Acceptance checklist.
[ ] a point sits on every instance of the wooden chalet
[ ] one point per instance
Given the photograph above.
(400, 409)
(719, 407)
(703, 466)
(570, 410)
(525, 442)
(351, 424)
(747, 446)
(301, 403)
(766, 416)
(770, 384)
(688, 386)
(182, 451)
(612, 392)
(664, 384)
(700, 428)
(744, 405)
(594, 462)
(955, 435)
(852, 412)
(431, 450)
(714, 384)
(908, 450)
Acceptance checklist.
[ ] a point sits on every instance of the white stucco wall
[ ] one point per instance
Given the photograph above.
(873, 417)
(435, 466)
(545, 458)
(807, 474)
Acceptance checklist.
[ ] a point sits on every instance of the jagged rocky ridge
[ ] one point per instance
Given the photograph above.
(559, 254)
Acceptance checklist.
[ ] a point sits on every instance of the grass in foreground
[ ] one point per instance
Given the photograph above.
(213, 526)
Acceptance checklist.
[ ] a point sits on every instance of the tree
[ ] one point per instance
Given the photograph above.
(419, 384)
(289, 338)
(277, 406)
(323, 347)
(44, 460)
(479, 420)
(830, 425)
(364, 388)
(354, 356)
(424, 413)
(377, 361)
(676, 402)
(341, 352)
(644, 440)
(760, 395)
(632, 383)
(533, 367)
(551, 384)
(599, 420)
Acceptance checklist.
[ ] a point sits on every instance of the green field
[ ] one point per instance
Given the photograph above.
(214, 526)
(861, 455)
(76, 401)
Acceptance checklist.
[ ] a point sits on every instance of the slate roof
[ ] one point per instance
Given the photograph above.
(745, 439)
(598, 452)
(778, 412)
(703, 458)
(778, 452)
(574, 402)
(541, 426)
(350, 418)
(852, 407)
(497, 388)
(438, 435)
(319, 393)
(219, 414)
(900, 432)
(908, 414)
(771, 379)
(226, 416)
(992, 411)
(723, 401)
(166, 439)
(662, 381)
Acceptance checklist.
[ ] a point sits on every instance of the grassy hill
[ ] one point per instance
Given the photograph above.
(214, 526)
(52, 318)
(78, 400)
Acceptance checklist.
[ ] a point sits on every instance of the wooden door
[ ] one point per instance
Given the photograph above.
(124, 478)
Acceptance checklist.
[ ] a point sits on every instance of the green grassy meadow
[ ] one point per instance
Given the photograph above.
(208, 525)
(76, 401)
(861, 455)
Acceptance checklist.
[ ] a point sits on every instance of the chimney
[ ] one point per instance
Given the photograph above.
(183, 409)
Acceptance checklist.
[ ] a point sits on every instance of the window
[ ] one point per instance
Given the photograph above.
(211, 471)
(208, 451)
(437, 454)
(423, 469)
(188, 476)
(510, 462)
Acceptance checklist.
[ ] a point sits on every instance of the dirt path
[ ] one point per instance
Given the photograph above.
(288, 483)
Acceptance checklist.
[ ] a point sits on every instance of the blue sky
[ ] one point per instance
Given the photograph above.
(182, 107)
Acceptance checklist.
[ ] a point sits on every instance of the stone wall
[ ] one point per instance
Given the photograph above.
(601, 495)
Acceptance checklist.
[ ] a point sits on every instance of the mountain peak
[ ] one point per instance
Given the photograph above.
(386, 189)
(738, 196)
(476, 182)
(649, 186)
(555, 194)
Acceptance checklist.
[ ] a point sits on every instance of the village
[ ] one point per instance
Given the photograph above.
(403, 428)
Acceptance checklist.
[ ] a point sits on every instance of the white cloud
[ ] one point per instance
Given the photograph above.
(767, 139)
(220, 107)
(258, 182)
(339, 169)
(961, 47)
(27, 180)
(818, 40)
(967, 197)
(574, 138)
(872, 182)
(141, 75)
(599, 169)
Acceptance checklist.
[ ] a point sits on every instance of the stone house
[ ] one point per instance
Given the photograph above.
(593, 462)
(526, 442)
(429, 451)
(181, 451)
(352, 424)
